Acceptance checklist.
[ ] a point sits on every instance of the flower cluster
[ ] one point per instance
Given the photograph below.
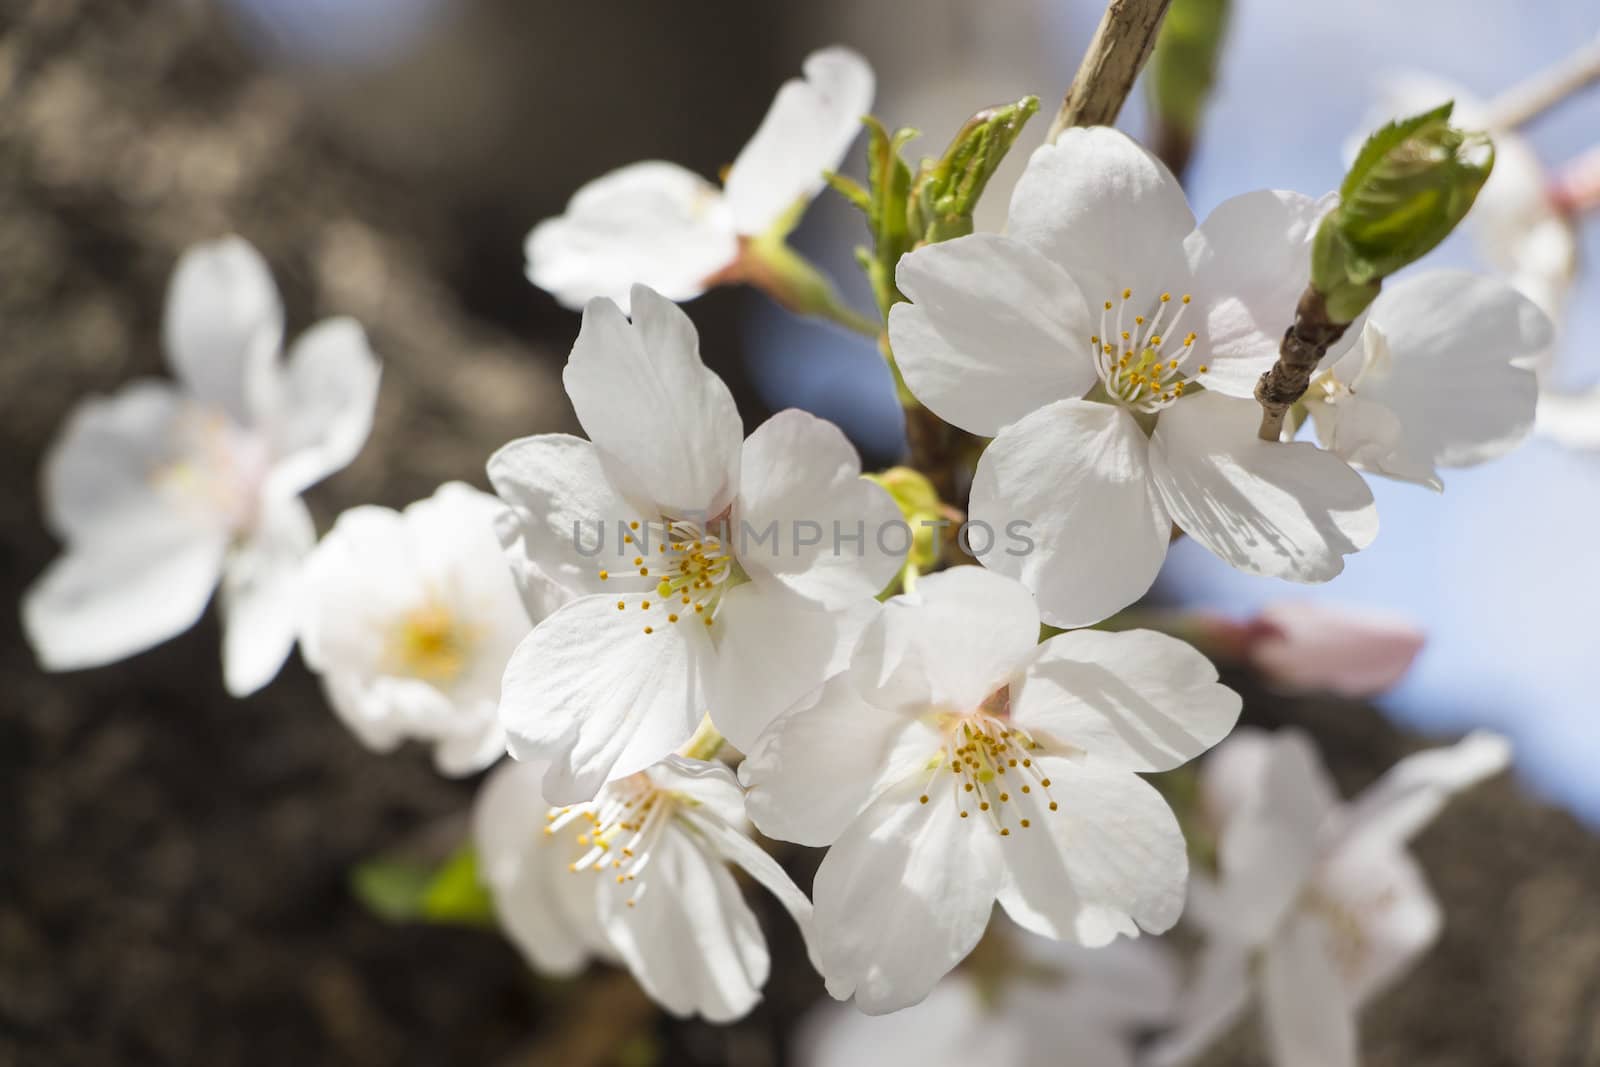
(678, 630)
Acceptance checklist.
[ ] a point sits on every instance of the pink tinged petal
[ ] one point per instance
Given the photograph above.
(1251, 259)
(318, 413)
(1074, 480)
(1283, 510)
(994, 331)
(950, 644)
(564, 513)
(664, 423)
(103, 468)
(111, 597)
(649, 223)
(688, 938)
(823, 761)
(1106, 211)
(1309, 1020)
(1352, 652)
(1108, 860)
(807, 130)
(223, 324)
(591, 692)
(1138, 700)
(772, 649)
(1414, 791)
(260, 598)
(806, 519)
(1458, 373)
(902, 897)
(1215, 999)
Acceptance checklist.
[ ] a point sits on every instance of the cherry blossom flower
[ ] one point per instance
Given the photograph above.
(638, 877)
(162, 490)
(660, 225)
(957, 762)
(1304, 645)
(1053, 1003)
(1441, 376)
(739, 577)
(1319, 906)
(410, 618)
(1110, 346)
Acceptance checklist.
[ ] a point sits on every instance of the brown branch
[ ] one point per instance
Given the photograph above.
(1528, 100)
(1305, 342)
(1120, 47)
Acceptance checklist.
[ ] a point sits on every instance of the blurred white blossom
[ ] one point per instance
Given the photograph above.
(1073, 340)
(957, 762)
(162, 490)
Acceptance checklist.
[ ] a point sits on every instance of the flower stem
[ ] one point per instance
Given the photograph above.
(1529, 99)
(705, 744)
(1304, 344)
(769, 264)
(1119, 49)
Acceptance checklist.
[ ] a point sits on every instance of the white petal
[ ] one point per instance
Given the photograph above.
(902, 897)
(1106, 211)
(954, 1026)
(995, 330)
(1570, 419)
(319, 412)
(1138, 699)
(807, 130)
(1413, 792)
(801, 478)
(224, 323)
(1309, 1022)
(772, 649)
(689, 938)
(1382, 893)
(649, 223)
(260, 600)
(1458, 374)
(101, 469)
(598, 697)
(737, 848)
(1214, 999)
(1368, 435)
(821, 763)
(1109, 860)
(114, 596)
(1284, 510)
(566, 512)
(1074, 479)
(1252, 260)
(665, 424)
(957, 638)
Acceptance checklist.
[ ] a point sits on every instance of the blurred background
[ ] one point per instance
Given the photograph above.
(174, 866)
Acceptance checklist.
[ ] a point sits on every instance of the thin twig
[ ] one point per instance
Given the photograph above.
(1304, 344)
(1120, 47)
(1530, 99)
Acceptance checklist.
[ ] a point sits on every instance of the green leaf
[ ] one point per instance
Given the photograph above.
(1385, 140)
(947, 191)
(401, 891)
(1183, 67)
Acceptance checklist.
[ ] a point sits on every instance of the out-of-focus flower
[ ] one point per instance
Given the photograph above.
(410, 618)
(1303, 645)
(640, 876)
(1318, 905)
(730, 584)
(1441, 376)
(957, 762)
(660, 225)
(1048, 1003)
(1072, 341)
(161, 490)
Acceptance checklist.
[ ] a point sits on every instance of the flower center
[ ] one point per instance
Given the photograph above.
(430, 643)
(217, 471)
(618, 829)
(1137, 360)
(991, 766)
(686, 566)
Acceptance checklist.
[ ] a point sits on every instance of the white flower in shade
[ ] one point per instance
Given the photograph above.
(1441, 376)
(162, 489)
(660, 225)
(957, 762)
(410, 618)
(714, 573)
(1046, 1002)
(1319, 906)
(640, 877)
(1110, 347)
